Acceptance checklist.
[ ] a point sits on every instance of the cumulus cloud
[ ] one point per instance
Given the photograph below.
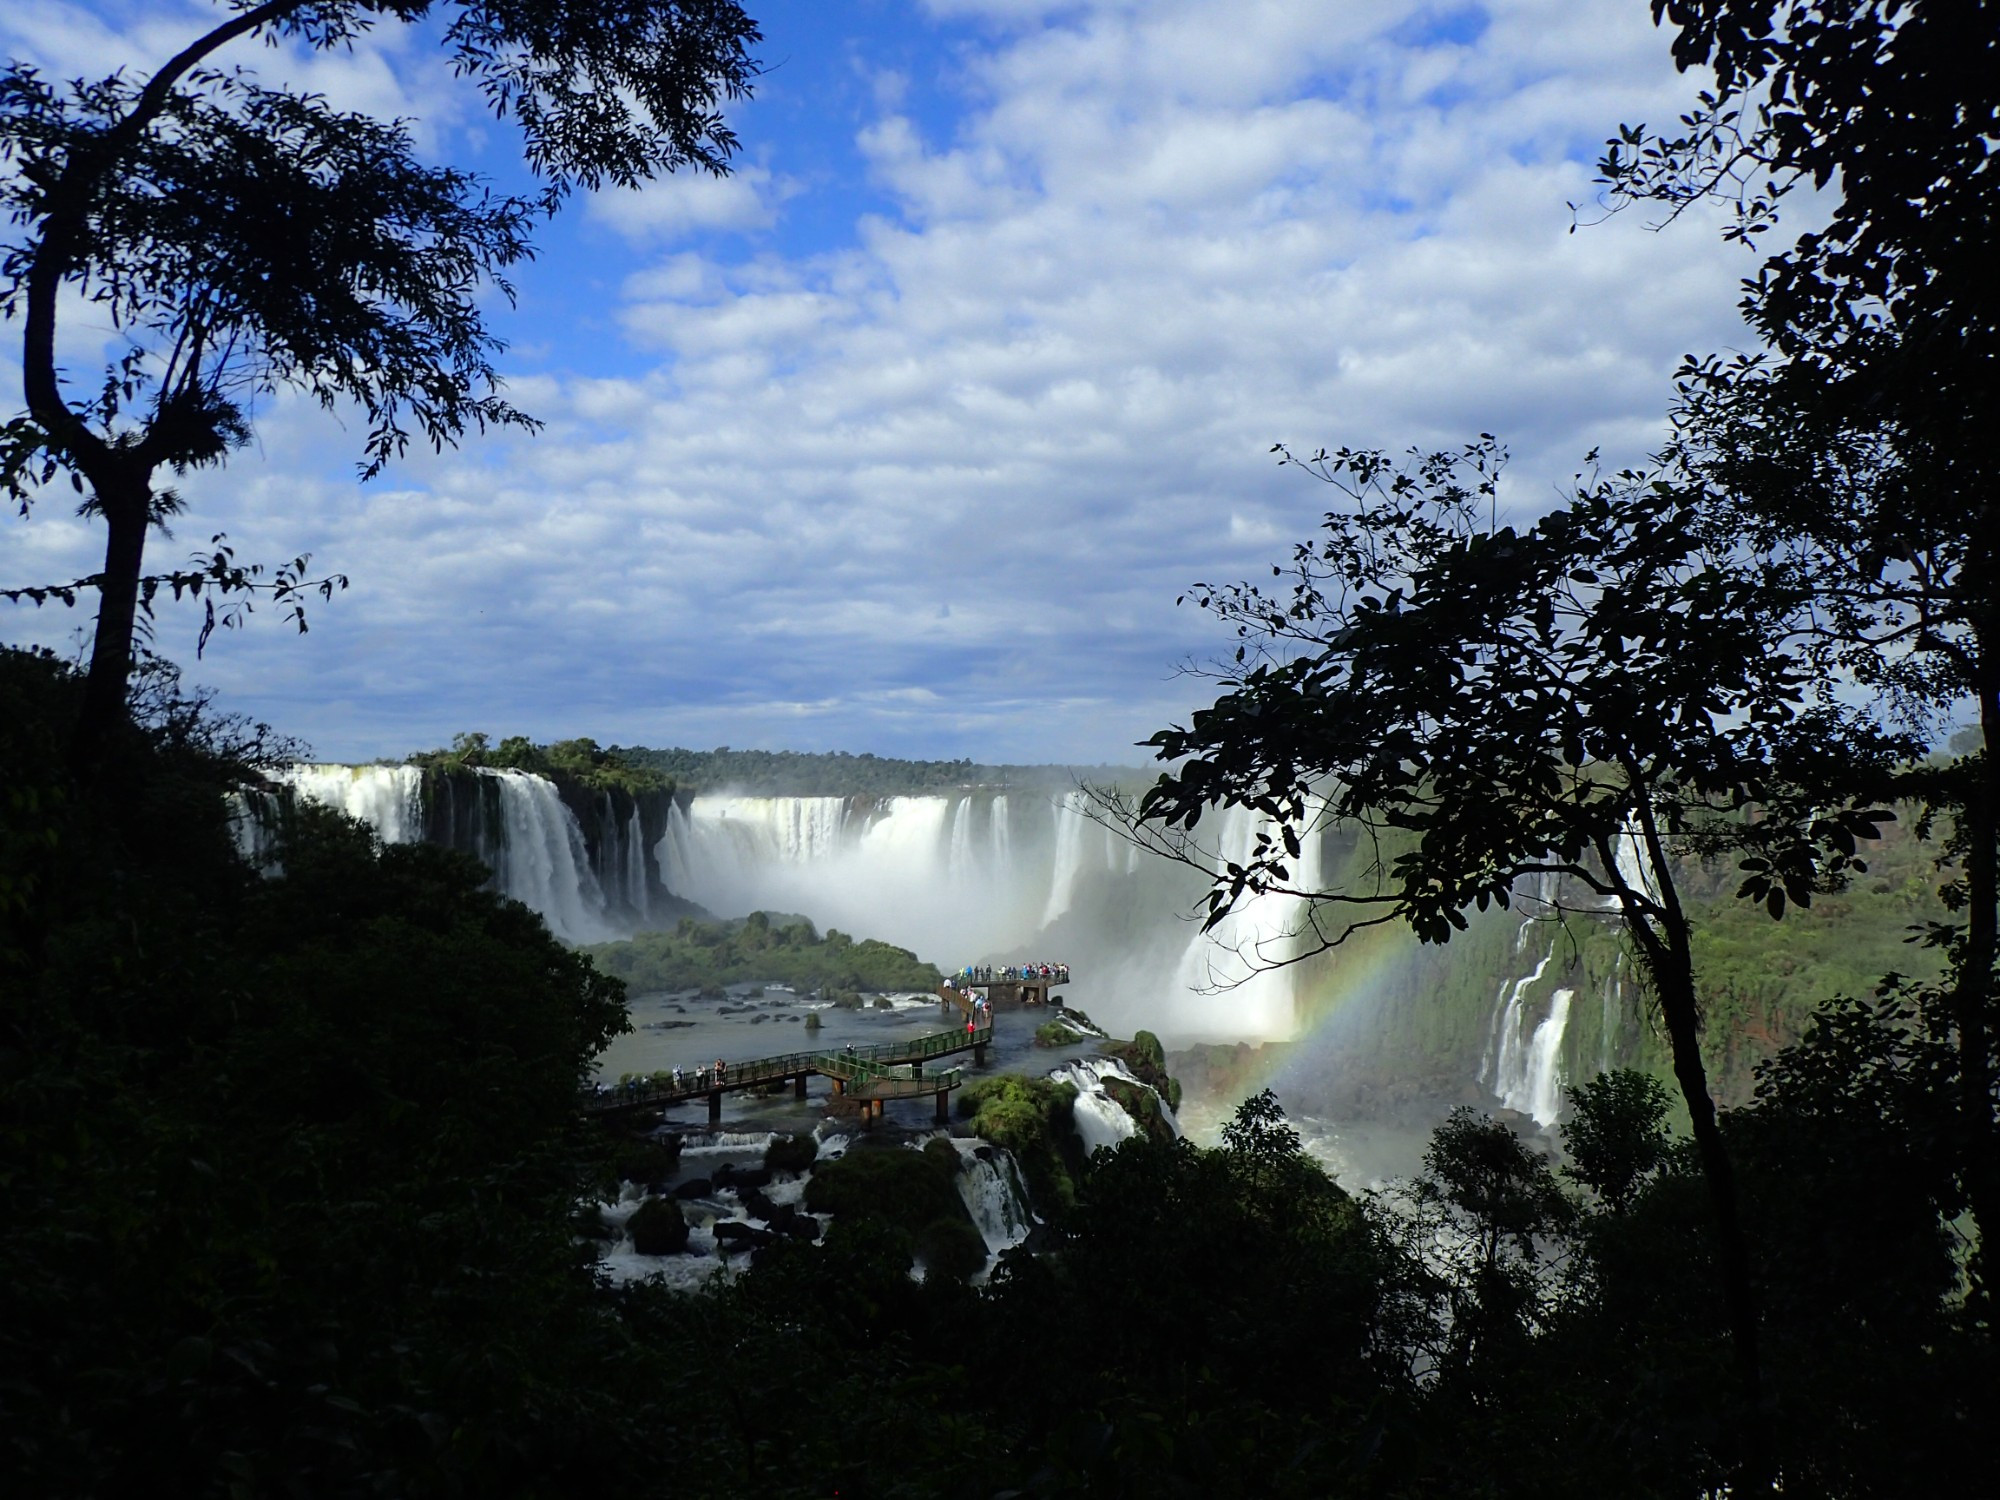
(929, 484)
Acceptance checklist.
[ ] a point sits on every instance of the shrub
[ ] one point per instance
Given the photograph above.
(905, 1189)
(951, 1248)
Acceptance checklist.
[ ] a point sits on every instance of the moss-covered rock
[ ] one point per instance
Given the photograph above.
(906, 1189)
(791, 1153)
(1035, 1119)
(658, 1228)
(1143, 1105)
(1147, 1060)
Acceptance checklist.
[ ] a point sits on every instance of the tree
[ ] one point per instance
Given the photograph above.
(1586, 701)
(244, 238)
(1616, 1135)
(1856, 455)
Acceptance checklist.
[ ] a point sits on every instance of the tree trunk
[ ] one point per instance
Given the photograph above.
(126, 501)
(1972, 995)
(1669, 953)
(1677, 1008)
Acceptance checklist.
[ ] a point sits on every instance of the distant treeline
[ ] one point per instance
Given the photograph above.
(786, 950)
(582, 760)
(840, 774)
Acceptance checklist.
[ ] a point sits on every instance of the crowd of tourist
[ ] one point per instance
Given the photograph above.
(1014, 973)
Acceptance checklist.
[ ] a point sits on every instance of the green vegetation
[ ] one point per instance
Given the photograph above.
(247, 238)
(790, 773)
(782, 951)
(294, 1162)
(908, 1194)
(1147, 1060)
(579, 760)
(1031, 1117)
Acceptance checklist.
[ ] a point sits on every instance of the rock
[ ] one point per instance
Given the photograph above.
(733, 1234)
(730, 1175)
(658, 1228)
(758, 1205)
(694, 1187)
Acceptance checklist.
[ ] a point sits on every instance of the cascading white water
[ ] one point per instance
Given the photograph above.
(636, 874)
(544, 863)
(960, 863)
(1071, 826)
(1501, 1067)
(914, 871)
(539, 856)
(989, 1184)
(1240, 956)
(1100, 1119)
(389, 799)
(1541, 1093)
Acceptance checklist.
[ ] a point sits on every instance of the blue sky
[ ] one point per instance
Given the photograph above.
(905, 437)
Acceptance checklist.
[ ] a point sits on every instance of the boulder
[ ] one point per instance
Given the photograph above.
(658, 1228)
(694, 1187)
(733, 1234)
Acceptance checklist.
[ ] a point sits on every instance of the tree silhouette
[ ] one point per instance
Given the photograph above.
(1856, 457)
(243, 239)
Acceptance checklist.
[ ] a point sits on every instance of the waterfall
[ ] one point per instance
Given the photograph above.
(389, 799)
(960, 862)
(1100, 1119)
(918, 871)
(544, 863)
(1242, 953)
(516, 823)
(1071, 825)
(637, 882)
(989, 1184)
(1503, 1037)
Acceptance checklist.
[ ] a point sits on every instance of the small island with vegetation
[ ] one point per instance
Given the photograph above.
(777, 949)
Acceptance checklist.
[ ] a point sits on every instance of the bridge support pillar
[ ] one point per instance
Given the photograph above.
(715, 1106)
(979, 1054)
(839, 1084)
(799, 1087)
(943, 1108)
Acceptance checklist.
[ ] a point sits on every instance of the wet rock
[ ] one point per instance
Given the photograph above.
(729, 1175)
(694, 1187)
(658, 1228)
(733, 1234)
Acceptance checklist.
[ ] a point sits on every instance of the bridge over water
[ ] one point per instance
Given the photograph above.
(866, 1076)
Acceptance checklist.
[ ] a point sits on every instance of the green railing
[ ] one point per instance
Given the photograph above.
(877, 1057)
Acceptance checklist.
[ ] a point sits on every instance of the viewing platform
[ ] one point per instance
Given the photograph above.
(868, 1076)
(1012, 985)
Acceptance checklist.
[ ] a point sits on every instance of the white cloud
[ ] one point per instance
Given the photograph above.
(684, 203)
(933, 489)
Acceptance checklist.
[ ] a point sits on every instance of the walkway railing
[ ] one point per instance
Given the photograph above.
(877, 1058)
